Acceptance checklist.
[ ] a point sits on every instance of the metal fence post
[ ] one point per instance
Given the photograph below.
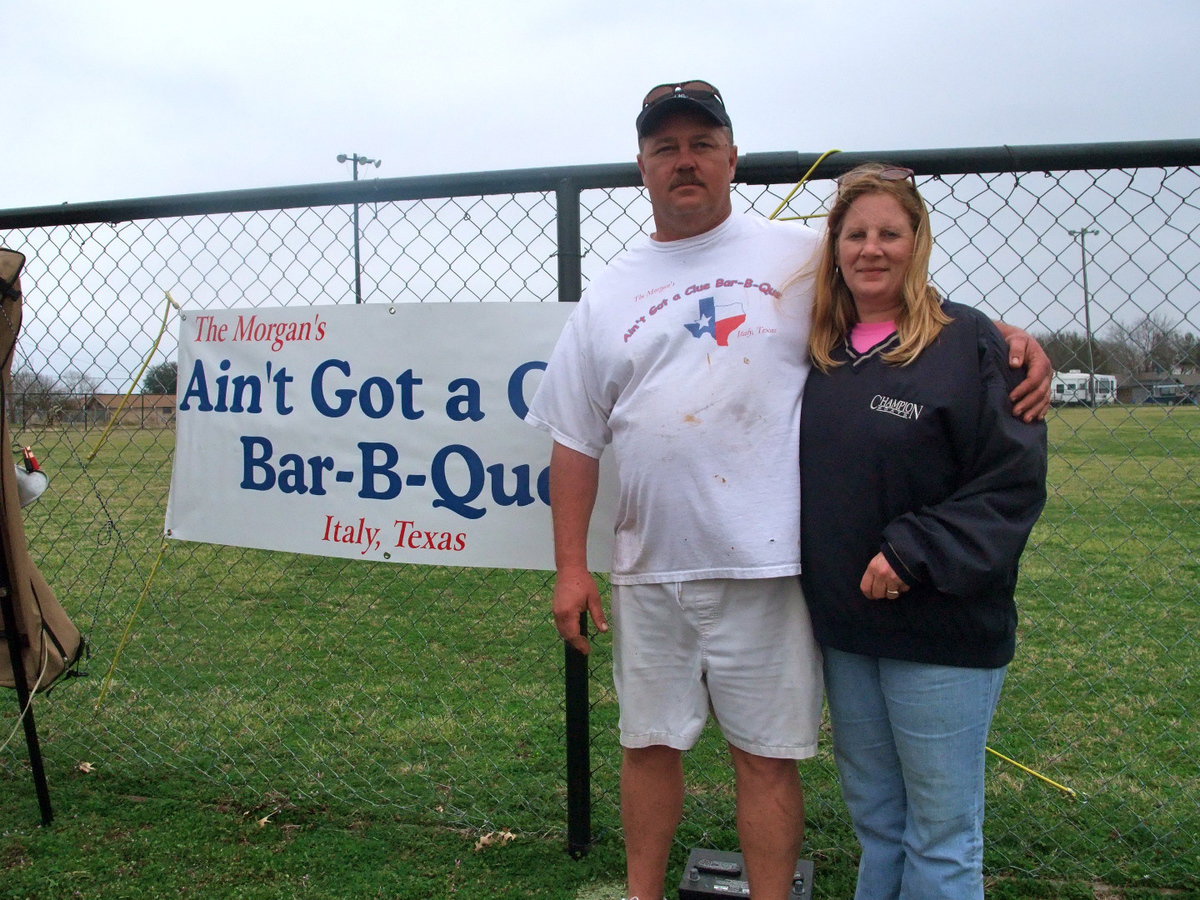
(579, 766)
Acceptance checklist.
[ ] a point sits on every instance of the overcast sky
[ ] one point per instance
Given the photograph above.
(134, 98)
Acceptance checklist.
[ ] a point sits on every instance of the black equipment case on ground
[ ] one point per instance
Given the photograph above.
(718, 873)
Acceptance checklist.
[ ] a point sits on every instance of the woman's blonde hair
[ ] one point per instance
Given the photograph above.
(921, 318)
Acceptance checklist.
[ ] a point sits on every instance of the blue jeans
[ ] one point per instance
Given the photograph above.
(909, 740)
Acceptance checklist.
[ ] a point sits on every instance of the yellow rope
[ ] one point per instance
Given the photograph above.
(108, 677)
(116, 416)
(1066, 790)
(800, 184)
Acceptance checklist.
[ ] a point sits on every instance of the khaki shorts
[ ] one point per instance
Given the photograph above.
(740, 648)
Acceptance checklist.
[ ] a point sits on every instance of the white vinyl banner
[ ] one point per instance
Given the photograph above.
(375, 432)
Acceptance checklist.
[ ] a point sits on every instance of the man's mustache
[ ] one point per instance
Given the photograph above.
(681, 180)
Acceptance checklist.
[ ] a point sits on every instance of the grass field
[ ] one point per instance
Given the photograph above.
(290, 726)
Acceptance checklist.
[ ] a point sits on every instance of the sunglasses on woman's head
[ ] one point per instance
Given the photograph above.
(891, 173)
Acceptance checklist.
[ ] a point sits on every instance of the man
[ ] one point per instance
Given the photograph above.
(688, 355)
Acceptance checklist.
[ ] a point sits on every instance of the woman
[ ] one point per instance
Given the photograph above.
(919, 493)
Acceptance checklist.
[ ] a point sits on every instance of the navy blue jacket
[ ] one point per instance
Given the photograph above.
(927, 464)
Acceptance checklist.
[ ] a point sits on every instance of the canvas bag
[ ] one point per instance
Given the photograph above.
(50, 643)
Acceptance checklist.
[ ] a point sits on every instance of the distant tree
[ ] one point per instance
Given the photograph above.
(1150, 344)
(161, 379)
(1069, 350)
(27, 385)
(32, 392)
(1189, 354)
(77, 385)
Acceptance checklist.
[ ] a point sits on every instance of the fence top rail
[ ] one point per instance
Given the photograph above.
(779, 167)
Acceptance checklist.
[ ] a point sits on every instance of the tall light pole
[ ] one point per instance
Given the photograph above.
(357, 160)
(1082, 234)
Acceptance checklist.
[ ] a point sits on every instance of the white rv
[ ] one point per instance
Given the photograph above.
(1071, 389)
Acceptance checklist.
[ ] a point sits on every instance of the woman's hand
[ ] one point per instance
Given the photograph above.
(880, 581)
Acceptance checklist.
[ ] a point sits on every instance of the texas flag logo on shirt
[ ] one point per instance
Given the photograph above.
(719, 320)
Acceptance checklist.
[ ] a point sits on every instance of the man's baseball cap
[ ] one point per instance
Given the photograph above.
(678, 97)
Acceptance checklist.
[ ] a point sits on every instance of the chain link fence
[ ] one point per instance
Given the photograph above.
(436, 694)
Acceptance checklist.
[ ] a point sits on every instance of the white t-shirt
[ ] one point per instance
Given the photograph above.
(686, 357)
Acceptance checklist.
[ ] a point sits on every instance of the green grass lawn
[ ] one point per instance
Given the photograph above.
(290, 726)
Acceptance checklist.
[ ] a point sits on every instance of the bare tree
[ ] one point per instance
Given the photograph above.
(1151, 344)
(32, 394)
(77, 385)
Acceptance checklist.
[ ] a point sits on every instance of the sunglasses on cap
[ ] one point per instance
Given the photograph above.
(693, 90)
(665, 98)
